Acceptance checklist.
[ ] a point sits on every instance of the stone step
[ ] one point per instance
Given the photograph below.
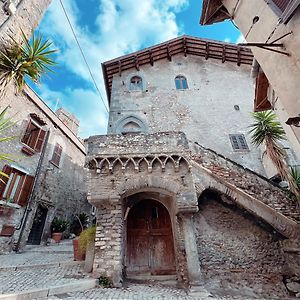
(46, 265)
(80, 285)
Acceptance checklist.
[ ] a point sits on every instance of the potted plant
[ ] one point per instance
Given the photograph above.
(79, 223)
(58, 226)
(87, 245)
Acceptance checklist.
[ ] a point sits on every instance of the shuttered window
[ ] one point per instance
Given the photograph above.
(56, 156)
(17, 187)
(238, 142)
(285, 8)
(34, 137)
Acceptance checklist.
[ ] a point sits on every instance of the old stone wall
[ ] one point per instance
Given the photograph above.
(238, 255)
(27, 17)
(212, 107)
(59, 188)
(247, 181)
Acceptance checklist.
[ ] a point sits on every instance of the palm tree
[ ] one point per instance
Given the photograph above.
(28, 59)
(267, 130)
(5, 124)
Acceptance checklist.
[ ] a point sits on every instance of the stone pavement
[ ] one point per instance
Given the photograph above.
(43, 271)
(133, 291)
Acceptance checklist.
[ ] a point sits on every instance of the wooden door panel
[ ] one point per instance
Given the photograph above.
(138, 253)
(150, 247)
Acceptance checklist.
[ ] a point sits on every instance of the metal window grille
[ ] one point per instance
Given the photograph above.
(238, 142)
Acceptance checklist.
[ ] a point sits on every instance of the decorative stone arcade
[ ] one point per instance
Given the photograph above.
(145, 196)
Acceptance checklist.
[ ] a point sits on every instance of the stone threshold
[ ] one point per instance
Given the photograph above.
(80, 285)
(50, 265)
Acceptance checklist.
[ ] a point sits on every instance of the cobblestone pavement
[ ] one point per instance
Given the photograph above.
(35, 255)
(133, 292)
(36, 278)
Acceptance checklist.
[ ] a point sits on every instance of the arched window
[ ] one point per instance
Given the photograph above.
(136, 83)
(181, 83)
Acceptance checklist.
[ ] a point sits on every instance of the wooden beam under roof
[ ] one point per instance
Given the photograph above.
(185, 45)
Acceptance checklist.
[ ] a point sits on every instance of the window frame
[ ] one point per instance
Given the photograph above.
(26, 138)
(134, 86)
(287, 13)
(235, 140)
(17, 188)
(180, 79)
(57, 155)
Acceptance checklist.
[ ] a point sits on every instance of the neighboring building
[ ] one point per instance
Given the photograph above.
(46, 176)
(266, 22)
(17, 15)
(163, 201)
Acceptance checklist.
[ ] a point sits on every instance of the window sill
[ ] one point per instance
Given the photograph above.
(54, 164)
(4, 203)
(28, 151)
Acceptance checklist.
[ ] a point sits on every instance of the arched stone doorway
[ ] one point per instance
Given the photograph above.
(150, 242)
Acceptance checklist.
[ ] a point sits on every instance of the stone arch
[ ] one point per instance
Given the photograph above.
(133, 75)
(149, 183)
(131, 123)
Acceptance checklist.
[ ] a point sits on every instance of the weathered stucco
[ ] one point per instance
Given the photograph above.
(282, 71)
(60, 189)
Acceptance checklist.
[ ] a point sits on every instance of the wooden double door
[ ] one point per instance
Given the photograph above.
(150, 246)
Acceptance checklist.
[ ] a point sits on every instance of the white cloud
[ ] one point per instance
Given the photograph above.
(120, 27)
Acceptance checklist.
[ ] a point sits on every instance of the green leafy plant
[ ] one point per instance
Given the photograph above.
(86, 237)
(296, 176)
(28, 59)
(105, 282)
(59, 225)
(5, 124)
(267, 130)
(79, 223)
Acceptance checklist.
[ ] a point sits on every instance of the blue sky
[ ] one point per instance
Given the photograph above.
(107, 29)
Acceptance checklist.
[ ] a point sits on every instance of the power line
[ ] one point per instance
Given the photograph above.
(83, 55)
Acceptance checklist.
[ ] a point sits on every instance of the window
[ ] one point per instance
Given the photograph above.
(181, 83)
(17, 187)
(136, 83)
(34, 136)
(238, 142)
(284, 8)
(56, 155)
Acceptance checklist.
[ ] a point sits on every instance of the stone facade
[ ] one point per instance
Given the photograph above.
(271, 26)
(158, 150)
(194, 111)
(59, 185)
(20, 14)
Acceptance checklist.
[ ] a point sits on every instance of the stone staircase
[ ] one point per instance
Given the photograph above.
(241, 182)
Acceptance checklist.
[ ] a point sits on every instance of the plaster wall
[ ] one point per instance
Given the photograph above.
(283, 72)
(60, 188)
(204, 112)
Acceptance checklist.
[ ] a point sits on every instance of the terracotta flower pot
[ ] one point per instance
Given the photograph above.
(7, 230)
(56, 236)
(78, 254)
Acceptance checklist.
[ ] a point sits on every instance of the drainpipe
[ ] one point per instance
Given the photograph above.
(34, 186)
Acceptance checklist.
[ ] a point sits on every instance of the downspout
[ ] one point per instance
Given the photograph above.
(28, 209)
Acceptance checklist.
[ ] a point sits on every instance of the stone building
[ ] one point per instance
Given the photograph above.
(277, 76)
(179, 191)
(20, 14)
(46, 176)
